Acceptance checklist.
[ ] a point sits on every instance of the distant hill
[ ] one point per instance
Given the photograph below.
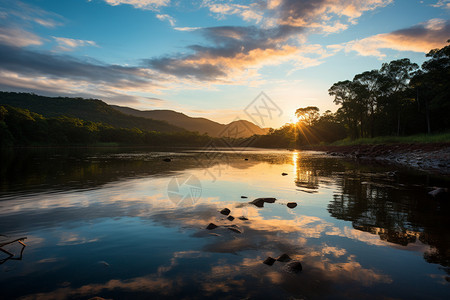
(239, 128)
(85, 109)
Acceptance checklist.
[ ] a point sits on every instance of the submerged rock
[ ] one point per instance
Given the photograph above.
(284, 258)
(439, 193)
(225, 211)
(259, 202)
(293, 267)
(211, 226)
(235, 229)
(269, 261)
(243, 218)
(231, 218)
(291, 204)
(392, 173)
(104, 263)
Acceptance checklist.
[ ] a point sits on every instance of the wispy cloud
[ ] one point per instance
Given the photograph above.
(321, 15)
(442, 3)
(168, 18)
(250, 12)
(18, 37)
(50, 73)
(419, 38)
(186, 28)
(141, 4)
(67, 44)
(18, 12)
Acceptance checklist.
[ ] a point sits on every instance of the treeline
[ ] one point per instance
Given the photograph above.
(20, 127)
(398, 99)
(85, 109)
(311, 128)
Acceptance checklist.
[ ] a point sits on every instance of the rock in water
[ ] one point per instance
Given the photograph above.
(225, 211)
(211, 226)
(234, 229)
(102, 262)
(293, 267)
(284, 174)
(269, 261)
(439, 193)
(243, 218)
(231, 218)
(291, 204)
(284, 258)
(259, 202)
(167, 160)
(244, 197)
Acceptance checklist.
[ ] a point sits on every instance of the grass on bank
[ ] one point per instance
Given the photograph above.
(419, 138)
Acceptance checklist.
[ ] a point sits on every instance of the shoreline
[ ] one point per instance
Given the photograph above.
(430, 157)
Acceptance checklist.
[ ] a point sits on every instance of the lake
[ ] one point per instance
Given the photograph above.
(125, 224)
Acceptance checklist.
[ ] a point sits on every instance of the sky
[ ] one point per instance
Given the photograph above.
(210, 58)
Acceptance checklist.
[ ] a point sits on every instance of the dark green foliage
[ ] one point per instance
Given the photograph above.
(312, 129)
(398, 99)
(84, 109)
(432, 87)
(20, 127)
(283, 137)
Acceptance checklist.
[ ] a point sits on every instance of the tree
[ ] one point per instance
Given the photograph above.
(308, 115)
(398, 74)
(352, 109)
(433, 88)
(370, 84)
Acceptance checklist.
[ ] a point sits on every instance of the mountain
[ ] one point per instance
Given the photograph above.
(85, 109)
(241, 128)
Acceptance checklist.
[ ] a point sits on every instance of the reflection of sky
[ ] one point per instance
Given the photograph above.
(128, 237)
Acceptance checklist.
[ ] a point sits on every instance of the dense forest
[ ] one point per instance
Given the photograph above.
(20, 127)
(398, 99)
(85, 109)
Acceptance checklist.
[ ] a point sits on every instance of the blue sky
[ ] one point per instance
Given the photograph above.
(209, 58)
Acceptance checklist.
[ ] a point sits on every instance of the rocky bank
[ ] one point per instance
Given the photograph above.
(433, 157)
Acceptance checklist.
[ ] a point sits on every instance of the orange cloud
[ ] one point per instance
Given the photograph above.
(420, 38)
(66, 44)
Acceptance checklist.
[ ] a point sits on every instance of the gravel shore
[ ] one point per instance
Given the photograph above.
(427, 157)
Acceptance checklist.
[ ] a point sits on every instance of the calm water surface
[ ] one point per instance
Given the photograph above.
(124, 224)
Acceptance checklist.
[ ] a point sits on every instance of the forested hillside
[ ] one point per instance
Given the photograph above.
(20, 127)
(85, 109)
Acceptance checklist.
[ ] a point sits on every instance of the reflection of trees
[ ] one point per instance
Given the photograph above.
(310, 171)
(307, 179)
(399, 214)
(34, 170)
